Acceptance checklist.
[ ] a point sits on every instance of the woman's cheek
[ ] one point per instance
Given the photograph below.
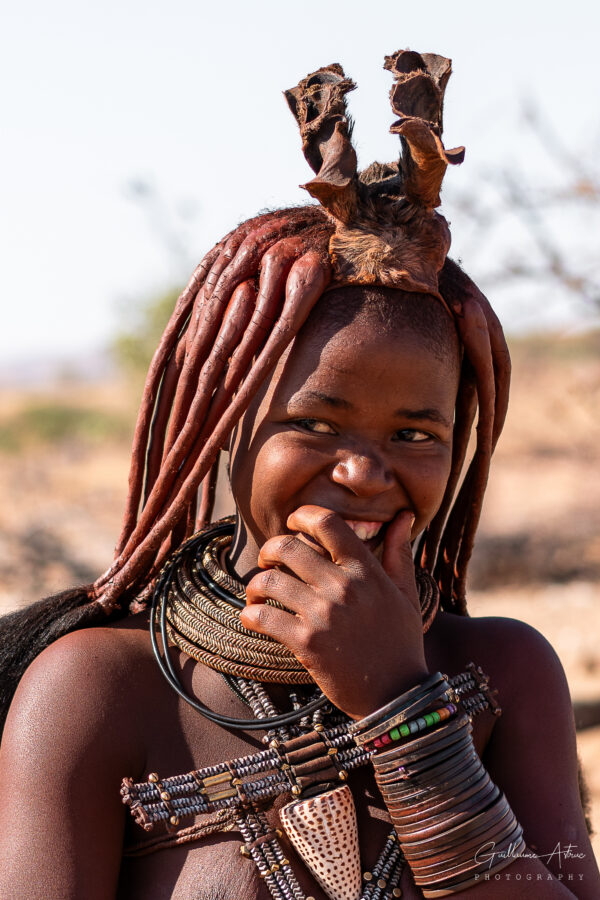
(427, 488)
(280, 473)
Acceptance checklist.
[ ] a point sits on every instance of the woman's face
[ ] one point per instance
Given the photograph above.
(353, 420)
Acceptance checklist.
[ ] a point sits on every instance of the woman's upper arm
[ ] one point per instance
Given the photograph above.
(67, 741)
(532, 756)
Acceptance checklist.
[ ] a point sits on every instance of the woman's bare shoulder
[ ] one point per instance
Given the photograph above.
(76, 724)
(516, 656)
(114, 644)
(81, 684)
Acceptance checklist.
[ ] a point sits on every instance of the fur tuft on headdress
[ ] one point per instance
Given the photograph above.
(386, 228)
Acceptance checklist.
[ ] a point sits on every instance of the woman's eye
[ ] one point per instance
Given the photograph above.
(412, 435)
(315, 426)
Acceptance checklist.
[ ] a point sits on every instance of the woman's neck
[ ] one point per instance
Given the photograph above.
(241, 557)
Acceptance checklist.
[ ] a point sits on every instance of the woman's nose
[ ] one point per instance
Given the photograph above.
(365, 474)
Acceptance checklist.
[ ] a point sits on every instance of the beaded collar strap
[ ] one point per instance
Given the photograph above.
(313, 755)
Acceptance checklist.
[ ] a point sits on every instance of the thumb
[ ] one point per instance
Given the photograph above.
(397, 557)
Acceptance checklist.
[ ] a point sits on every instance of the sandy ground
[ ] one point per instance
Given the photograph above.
(538, 557)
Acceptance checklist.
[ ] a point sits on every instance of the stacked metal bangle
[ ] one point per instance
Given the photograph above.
(442, 802)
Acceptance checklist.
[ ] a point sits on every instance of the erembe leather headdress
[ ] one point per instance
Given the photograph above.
(387, 231)
(252, 293)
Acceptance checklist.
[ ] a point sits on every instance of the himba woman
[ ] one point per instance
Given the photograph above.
(322, 718)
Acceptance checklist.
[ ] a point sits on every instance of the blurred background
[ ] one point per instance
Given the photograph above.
(134, 135)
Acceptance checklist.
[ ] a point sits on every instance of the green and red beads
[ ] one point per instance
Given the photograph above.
(416, 725)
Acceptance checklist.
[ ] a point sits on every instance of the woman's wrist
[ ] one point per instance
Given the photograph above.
(399, 686)
(369, 725)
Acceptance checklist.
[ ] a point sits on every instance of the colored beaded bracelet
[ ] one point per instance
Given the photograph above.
(412, 727)
(433, 700)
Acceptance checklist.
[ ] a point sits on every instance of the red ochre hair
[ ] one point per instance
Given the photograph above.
(252, 293)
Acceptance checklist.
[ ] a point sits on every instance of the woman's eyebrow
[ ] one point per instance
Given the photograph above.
(336, 402)
(434, 415)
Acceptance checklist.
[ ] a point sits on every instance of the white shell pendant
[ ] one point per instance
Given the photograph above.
(323, 831)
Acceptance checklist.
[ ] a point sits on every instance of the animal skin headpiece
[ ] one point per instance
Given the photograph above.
(386, 228)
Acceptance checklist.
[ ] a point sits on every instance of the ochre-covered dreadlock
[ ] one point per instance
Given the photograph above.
(242, 308)
(252, 293)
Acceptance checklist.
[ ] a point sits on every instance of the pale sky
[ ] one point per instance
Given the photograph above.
(187, 97)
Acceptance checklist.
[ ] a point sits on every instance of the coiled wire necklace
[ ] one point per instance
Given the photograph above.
(197, 604)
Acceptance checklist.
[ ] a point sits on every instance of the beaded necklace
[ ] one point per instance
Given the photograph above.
(317, 752)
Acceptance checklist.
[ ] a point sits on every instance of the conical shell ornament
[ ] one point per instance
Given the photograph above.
(324, 833)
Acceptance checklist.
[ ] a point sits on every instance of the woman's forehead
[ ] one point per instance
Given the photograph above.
(380, 310)
(338, 361)
(352, 324)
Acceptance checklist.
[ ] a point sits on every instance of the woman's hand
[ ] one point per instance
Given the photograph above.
(353, 622)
